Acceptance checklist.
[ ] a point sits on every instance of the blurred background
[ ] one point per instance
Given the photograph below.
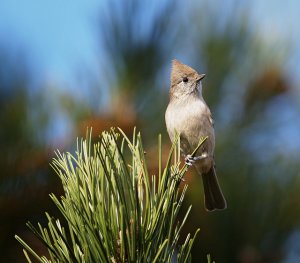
(66, 66)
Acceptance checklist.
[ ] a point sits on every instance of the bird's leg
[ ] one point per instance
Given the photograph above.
(189, 160)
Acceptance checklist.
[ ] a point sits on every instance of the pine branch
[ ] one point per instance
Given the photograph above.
(115, 211)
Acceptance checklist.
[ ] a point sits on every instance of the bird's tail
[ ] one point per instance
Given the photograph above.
(214, 198)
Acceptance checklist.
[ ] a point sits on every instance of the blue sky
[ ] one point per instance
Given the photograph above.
(59, 35)
(59, 38)
(280, 19)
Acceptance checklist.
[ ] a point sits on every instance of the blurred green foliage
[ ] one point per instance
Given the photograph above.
(246, 87)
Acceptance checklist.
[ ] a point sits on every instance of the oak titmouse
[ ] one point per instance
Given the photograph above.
(188, 115)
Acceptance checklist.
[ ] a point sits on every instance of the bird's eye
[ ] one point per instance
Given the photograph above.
(185, 79)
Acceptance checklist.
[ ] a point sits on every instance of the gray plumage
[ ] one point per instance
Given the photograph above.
(188, 115)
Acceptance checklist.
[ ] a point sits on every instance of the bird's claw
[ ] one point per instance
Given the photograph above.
(190, 160)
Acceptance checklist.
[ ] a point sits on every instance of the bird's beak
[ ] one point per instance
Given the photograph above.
(201, 76)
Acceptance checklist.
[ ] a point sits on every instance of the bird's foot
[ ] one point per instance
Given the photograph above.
(190, 160)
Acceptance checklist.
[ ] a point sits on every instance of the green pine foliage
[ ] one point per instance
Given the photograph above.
(115, 211)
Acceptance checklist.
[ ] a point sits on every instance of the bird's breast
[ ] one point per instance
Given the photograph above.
(190, 119)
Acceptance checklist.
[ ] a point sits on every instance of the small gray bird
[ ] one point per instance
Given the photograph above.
(188, 115)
